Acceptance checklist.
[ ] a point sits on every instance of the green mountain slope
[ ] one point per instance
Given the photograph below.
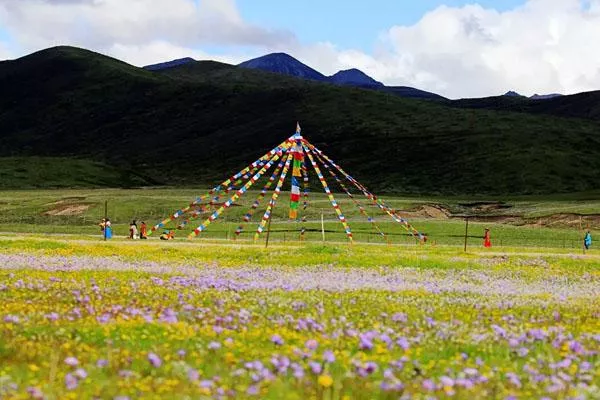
(198, 123)
(582, 105)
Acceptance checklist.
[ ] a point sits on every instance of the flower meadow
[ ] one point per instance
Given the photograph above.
(114, 328)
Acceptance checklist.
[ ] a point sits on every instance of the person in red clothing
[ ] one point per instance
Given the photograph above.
(143, 231)
(487, 241)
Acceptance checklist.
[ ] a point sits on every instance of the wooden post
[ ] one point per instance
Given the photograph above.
(105, 217)
(322, 227)
(582, 235)
(466, 232)
(268, 232)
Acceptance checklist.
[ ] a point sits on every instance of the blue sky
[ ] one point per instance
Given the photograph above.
(350, 24)
(548, 46)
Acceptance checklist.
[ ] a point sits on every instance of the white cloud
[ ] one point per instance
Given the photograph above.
(105, 24)
(5, 53)
(543, 46)
(160, 51)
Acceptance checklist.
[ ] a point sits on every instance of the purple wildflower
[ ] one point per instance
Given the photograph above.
(328, 356)
(276, 339)
(523, 351)
(311, 344)
(214, 345)
(315, 367)
(403, 343)
(154, 360)
(206, 384)
(365, 343)
(70, 382)
(428, 385)
(11, 319)
(71, 361)
(35, 393)
(80, 373)
(193, 375)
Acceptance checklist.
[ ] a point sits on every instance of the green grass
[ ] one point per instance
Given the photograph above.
(529, 223)
(203, 122)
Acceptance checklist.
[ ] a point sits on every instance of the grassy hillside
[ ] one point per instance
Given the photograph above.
(583, 105)
(55, 172)
(198, 123)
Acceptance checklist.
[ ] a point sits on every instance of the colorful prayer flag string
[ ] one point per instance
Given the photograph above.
(256, 203)
(236, 196)
(334, 204)
(350, 195)
(269, 210)
(305, 204)
(374, 199)
(296, 174)
(217, 188)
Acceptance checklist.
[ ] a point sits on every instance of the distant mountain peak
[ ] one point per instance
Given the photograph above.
(283, 63)
(169, 64)
(353, 77)
(512, 93)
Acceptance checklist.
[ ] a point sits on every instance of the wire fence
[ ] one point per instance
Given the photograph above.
(443, 232)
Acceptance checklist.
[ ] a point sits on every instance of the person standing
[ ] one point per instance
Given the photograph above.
(143, 231)
(108, 229)
(487, 240)
(587, 240)
(133, 231)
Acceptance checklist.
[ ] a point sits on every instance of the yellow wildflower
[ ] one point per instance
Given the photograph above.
(325, 381)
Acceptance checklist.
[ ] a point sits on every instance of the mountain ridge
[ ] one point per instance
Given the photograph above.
(199, 122)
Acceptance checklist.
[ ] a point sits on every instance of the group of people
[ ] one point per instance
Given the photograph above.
(133, 230)
(106, 228)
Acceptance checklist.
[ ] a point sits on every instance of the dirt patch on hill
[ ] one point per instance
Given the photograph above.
(68, 200)
(67, 209)
(426, 211)
(486, 206)
(566, 220)
(497, 219)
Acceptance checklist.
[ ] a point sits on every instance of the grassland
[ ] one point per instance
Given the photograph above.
(521, 222)
(80, 319)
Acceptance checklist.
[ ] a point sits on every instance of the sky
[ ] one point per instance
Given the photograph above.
(452, 47)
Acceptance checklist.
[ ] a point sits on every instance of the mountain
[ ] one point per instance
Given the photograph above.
(354, 77)
(169, 64)
(511, 93)
(582, 105)
(545, 96)
(197, 123)
(534, 97)
(285, 64)
(411, 93)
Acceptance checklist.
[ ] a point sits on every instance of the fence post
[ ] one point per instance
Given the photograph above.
(268, 233)
(105, 217)
(466, 232)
